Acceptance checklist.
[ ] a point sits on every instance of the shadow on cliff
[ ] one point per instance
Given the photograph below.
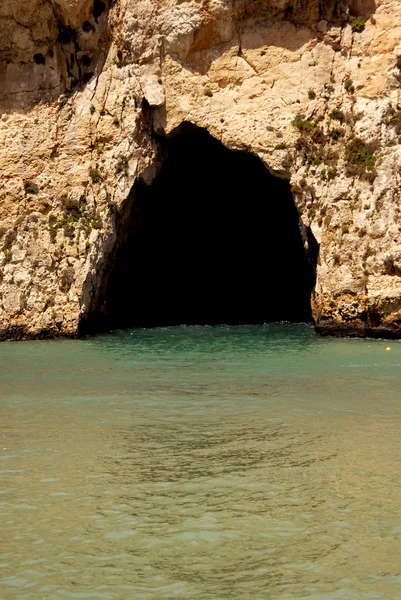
(259, 25)
(214, 239)
(60, 56)
(303, 11)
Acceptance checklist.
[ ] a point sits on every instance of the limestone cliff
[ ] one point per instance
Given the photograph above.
(90, 88)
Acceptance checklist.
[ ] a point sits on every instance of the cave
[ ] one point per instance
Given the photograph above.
(215, 239)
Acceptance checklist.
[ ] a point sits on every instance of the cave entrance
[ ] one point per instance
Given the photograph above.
(214, 239)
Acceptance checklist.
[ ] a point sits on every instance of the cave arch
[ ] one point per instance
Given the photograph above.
(214, 239)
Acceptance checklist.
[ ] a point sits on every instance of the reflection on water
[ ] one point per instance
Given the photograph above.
(232, 463)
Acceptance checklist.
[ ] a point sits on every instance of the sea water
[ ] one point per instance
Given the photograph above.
(259, 462)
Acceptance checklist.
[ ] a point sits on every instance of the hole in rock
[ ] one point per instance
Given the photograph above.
(86, 60)
(98, 8)
(67, 35)
(39, 59)
(87, 27)
(214, 239)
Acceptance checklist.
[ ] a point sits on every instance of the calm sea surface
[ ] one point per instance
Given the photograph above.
(208, 463)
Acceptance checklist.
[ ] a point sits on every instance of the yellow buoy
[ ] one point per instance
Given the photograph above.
(388, 348)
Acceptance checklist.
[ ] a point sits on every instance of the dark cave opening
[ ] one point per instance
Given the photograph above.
(215, 239)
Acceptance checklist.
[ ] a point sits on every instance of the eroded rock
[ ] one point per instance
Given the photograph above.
(86, 87)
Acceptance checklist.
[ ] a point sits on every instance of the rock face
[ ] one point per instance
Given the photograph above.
(89, 89)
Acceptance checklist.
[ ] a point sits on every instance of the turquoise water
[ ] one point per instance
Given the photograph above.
(208, 463)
